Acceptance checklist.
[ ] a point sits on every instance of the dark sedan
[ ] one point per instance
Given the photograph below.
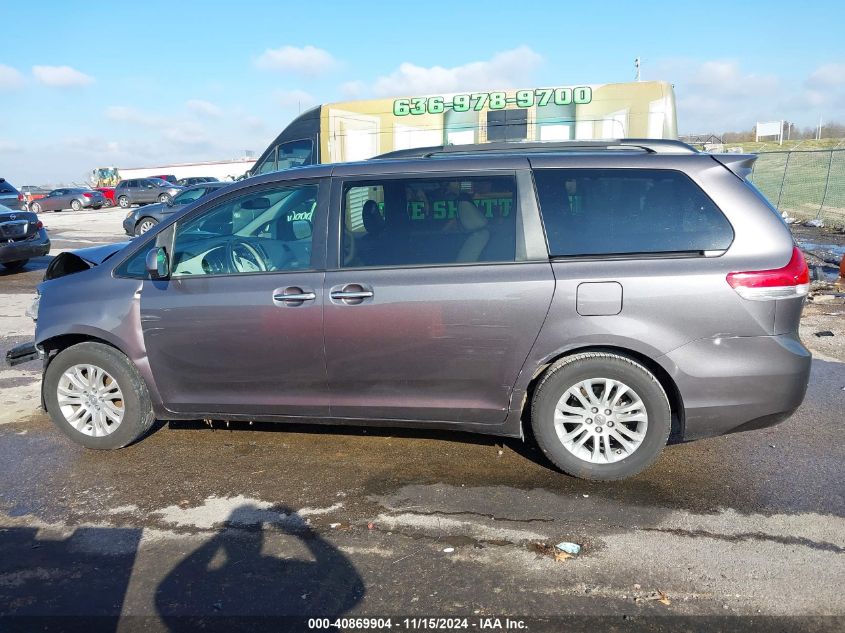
(75, 198)
(195, 180)
(140, 220)
(22, 237)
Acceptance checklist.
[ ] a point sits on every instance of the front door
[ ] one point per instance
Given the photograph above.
(238, 328)
(437, 300)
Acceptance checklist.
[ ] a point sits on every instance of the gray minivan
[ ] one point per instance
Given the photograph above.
(611, 296)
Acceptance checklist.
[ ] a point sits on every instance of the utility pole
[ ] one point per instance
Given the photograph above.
(637, 66)
(819, 135)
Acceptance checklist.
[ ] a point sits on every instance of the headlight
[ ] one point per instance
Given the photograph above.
(32, 310)
(129, 214)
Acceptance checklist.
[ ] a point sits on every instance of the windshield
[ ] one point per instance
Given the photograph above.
(287, 155)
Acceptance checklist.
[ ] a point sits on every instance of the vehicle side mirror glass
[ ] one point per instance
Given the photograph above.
(157, 264)
(168, 202)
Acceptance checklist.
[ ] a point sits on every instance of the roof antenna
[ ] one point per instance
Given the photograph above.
(637, 66)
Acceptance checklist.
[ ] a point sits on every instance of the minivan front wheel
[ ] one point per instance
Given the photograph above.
(96, 396)
(123, 201)
(600, 416)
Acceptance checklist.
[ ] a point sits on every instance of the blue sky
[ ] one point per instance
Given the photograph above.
(87, 84)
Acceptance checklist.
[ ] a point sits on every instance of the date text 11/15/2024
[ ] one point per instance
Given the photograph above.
(493, 100)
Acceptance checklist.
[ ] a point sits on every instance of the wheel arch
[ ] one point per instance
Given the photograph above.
(666, 381)
(141, 219)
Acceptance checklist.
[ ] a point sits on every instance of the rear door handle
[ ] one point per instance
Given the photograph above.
(292, 296)
(352, 294)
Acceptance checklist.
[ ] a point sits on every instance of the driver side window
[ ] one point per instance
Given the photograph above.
(255, 232)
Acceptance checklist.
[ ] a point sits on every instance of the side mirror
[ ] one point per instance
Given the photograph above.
(168, 202)
(156, 263)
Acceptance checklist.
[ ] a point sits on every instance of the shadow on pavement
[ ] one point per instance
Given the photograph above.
(230, 582)
(53, 583)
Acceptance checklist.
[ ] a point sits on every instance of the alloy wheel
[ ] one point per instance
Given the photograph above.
(90, 400)
(600, 420)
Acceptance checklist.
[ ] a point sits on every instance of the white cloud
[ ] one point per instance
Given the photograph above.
(8, 147)
(128, 114)
(187, 134)
(295, 99)
(10, 78)
(205, 108)
(827, 76)
(61, 76)
(308, 60)
(511, 68)
(719, 95)
(353, 89)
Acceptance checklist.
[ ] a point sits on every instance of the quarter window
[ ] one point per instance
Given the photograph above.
(407, 222)
(256, 232)
(627, 211)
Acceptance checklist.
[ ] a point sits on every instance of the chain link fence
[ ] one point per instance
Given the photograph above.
(807, 185)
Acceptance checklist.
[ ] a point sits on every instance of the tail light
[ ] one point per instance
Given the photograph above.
(20, 197)
(88, 195)
(39, 225)
(793, 280)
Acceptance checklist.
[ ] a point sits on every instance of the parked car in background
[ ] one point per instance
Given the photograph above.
(168, 177)
(144, 218)
(195, 180)
(471, 287)
(10, 197)
(144, 191)
(108, 194)
(22, 237)
(31, 193)
(75, 198)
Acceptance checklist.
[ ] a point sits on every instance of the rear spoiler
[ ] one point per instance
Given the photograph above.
(739, 164)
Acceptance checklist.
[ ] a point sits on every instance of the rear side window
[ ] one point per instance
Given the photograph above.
(627, 211)
(5, 187)
(431, 221)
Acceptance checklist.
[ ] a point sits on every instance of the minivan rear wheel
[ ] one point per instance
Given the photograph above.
(600, 416)
(96, 396)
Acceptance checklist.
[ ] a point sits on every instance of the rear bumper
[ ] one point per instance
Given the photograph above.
(23, 354)
(25, 249)
(739, 383)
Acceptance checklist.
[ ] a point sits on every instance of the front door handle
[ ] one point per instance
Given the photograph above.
(292, 296)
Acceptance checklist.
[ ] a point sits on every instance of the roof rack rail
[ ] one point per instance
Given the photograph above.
(650, 145)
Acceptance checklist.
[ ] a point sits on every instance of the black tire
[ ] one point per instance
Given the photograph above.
(35, 207)
(138, 413)
(15, 265)
(573, 369)
(76, 205)
(145, 224)
(123, 201)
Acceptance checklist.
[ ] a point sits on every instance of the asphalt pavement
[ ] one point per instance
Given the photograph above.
(227, 527)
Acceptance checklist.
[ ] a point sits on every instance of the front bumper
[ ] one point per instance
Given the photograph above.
(129, 225)
(23, 354)
(732, 384)
(25, 249)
